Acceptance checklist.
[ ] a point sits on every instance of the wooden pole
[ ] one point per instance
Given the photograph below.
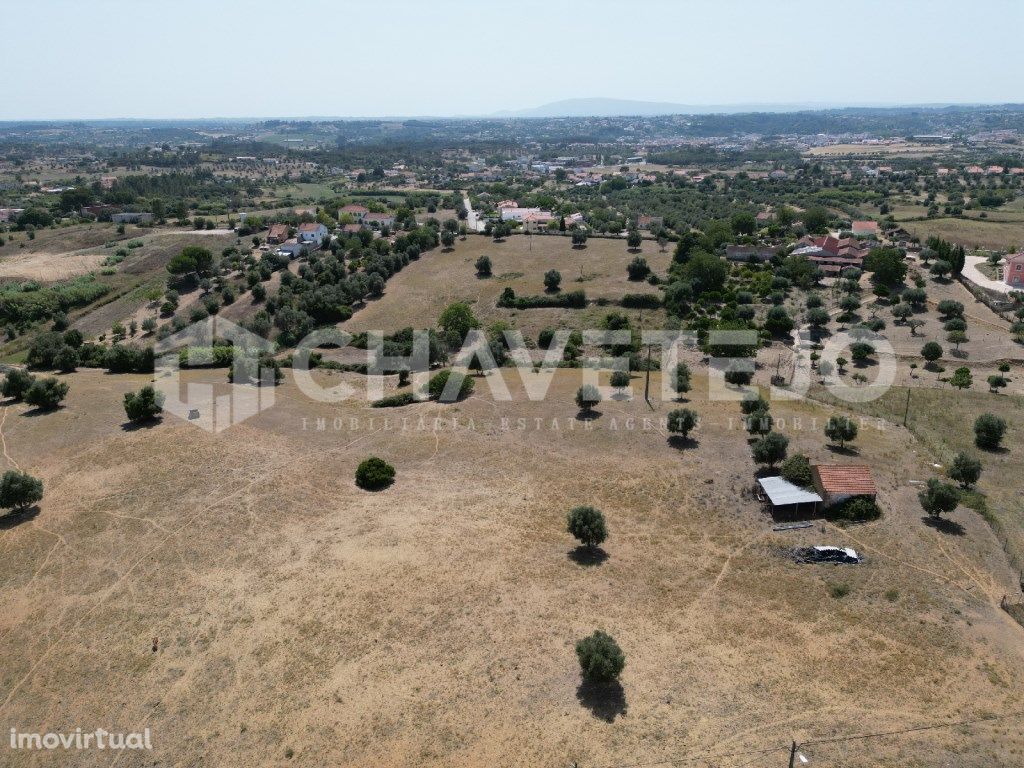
(792, 755)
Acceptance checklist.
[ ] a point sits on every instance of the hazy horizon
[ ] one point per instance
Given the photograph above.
(400, 58)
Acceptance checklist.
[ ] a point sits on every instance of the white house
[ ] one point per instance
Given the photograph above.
(312, 233)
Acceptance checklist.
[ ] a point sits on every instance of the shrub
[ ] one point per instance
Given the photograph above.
(640, 301)
(19, 490)
(587, 525)
(16, 383)
(440, 390)
(483, 266)
(988, 431)
(374, 473)
(854, 509)
(620, 379)
(395, 401)
(681, 379)
(552, 280)
(46, 394)
(143, 405)
(797, 470)
(601, 659)
(638, 269)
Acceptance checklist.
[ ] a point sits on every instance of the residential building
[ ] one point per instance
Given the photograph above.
(746, 254)
(535, 222)
(10, 214)
(865, 228)
(357, 212)
(379, 220)
(312, 233)
(832, 254)
(649, 223)
(131, 218)
(836, 483)
(278, 234)
(293, 248)
(1013, 270)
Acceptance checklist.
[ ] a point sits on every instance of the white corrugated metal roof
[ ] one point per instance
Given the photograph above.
(781, 492)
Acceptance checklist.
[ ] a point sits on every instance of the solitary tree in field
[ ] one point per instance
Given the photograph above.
(374, 473)
(681, 422)
(579, 238)
(483, 266)
(840, 429)
(965, 470)
(938, 497)
(962, 378)
(552, 280)
(587, 525)
(956, 338)
(19, 490)
(633, 240)
(988, 431)
(931, 352)
(620, 380)
(143, 405)
(587, 397)
(601, 659)
(996, 382)
(770, 449)
(681, 380)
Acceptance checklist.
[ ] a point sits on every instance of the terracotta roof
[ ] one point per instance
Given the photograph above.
(354, 209)
(310, 226)
(379, 216)
(278, 230)
(851, 479)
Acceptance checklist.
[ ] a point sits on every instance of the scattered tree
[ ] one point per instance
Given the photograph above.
(988, 431)
(965, 470)
(587, 525)
(681, 422)
(840, 429)
(46, 394)
(938, 497)
(19, 490)
(374, 473)
(601, 659)
(143, 405)
(771, 449)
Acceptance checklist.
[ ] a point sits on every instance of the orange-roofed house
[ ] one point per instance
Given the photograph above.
(865, 228)
(278, 234)
(838, 482)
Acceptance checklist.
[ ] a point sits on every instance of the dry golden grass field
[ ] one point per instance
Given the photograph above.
(301, 621)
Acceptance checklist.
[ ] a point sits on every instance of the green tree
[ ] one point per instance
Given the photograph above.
(961, 378)
(988, 431)
(587, 397)
(638, 269)
(620, 379)
(956, 338)
(931, 352)
(965, 470)
(552, 280)
(797, 470)
(46, 394)
(587, 525)
(143, 405)
(938, 497)
(16, 383)
(778, 322)
(816, 220)
(681, 379)
(840, 429)
(770, 449)
(601, 659)
(192, 259)
(633, 240)
(455, 322)
(887, 265)
(19, 491)
(996, 382)
(483, 266)
(374, 473)
(681, 422)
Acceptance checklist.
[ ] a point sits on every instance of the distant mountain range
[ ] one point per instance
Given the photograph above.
(603, 107)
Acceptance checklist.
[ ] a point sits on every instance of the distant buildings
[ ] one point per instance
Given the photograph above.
(278, 234)
(832, 254)
(312, 234)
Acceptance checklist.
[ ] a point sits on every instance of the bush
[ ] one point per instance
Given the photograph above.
(797, 470)
(638, 269)
(16, 383)
(552, 280)
(395, 401)
(440, 391)
(601, 659)
(938, 497)
(640, 301)
(854, 509)
(143, 405)
(988, 431)
(483, 266)
(46, 394)
(374, 473)
(620, 379)
(19, 490)
(681, 379)
(587, 525)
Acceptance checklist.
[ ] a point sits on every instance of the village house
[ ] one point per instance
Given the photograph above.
(836, 483)
(292, 248)
(1013, 270)
(535, 222)
(865, 228)
(278, 234)
(312, 233)
(746, 254)
(379, 220)
(131, 218)
(832, 254)
(10, 214)
(95, 211)
(649, 223)
(357, 212)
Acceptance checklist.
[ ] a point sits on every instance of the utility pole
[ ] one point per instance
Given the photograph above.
(792, 755)
(647, 383)
(906, 409)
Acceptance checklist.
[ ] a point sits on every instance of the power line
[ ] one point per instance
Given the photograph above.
(934, 727)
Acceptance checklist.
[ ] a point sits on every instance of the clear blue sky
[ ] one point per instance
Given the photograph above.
(233, 58)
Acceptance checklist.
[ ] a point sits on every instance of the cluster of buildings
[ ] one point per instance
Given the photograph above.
(832, 254)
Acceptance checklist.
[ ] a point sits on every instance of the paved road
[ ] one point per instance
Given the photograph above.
(972, 273)
(473, 223)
